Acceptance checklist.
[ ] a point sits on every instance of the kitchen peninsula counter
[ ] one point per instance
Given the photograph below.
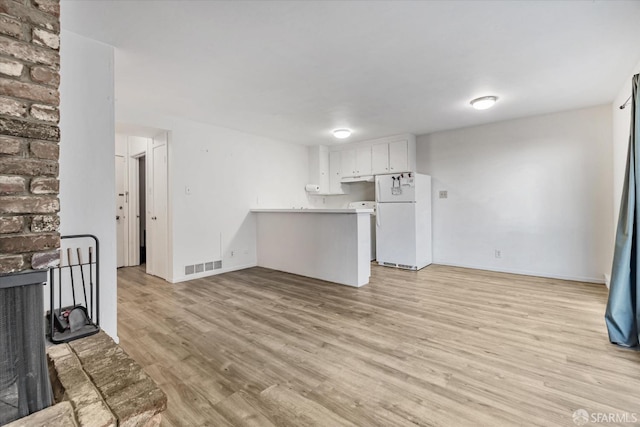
(321, 211)
(327, 244)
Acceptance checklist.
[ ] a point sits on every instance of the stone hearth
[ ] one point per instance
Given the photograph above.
(95, 383)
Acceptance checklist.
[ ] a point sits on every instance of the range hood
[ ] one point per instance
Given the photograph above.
(363, 178)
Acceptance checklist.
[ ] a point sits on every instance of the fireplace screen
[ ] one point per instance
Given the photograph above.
(24, 379)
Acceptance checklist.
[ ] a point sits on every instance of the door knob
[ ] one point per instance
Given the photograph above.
(117, 217)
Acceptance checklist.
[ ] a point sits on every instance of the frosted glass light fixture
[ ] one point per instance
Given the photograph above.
(342, 133)
(484, 102)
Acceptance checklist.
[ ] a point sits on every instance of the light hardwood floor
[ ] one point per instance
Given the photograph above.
(444, 346)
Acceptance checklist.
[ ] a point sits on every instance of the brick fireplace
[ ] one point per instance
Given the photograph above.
(29, 238)
(29, 134)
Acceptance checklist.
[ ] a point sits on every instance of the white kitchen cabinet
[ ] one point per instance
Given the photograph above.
(392, 157)
(363, 161)
(399, 157)
(380, 159)
(319, 167)
(325, 171)
(356, 162)
(393, 154)
(348, 162)
(335, 174)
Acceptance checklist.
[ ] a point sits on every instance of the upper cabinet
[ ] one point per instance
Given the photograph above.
(335, 174)
(363, 161)
(348, 162)
(325, 170)
(319, 167)
(391, 157)
(329, 166)
(399, 157)
(356, 162)
(380, 158)
(394, 155)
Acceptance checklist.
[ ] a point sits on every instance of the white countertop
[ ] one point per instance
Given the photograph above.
(316, 211)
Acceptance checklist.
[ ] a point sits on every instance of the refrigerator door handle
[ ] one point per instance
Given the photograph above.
(378, 214)
(379, 195)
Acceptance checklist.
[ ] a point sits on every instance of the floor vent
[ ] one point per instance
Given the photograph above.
(408, 267)
(217, 265)
(208, 266)
(199, 268)
(390, 264)
(189, 269)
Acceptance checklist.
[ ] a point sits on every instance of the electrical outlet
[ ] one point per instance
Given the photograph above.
(443, 194)
(498, 253)
(233, 253)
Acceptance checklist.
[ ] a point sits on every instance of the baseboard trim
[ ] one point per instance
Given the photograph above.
(600, 281)
(181, 279)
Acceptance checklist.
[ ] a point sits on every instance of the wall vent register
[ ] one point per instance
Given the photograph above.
(202, 267)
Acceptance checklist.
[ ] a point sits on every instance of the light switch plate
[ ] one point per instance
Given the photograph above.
(443, 194)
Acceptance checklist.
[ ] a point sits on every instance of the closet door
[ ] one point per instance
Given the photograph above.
(157, 221)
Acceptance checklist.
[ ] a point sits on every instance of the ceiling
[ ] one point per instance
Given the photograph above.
(295, 70)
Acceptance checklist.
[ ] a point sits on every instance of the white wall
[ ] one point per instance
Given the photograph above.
(537, 189)
(621, 128)
(87, 153)
(228, 172)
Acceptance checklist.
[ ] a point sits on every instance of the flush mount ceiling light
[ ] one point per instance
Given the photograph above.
(484, 102)
(342, 133)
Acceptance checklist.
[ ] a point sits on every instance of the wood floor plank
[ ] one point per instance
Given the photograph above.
(439, 347)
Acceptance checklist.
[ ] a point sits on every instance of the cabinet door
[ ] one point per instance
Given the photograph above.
(335, 174)
(398, 156)
(380, 159)
(348, 163)
(363, 161)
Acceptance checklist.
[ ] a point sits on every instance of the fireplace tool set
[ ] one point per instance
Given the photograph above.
(75, 286)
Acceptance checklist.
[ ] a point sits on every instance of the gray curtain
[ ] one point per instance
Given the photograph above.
(623, 306)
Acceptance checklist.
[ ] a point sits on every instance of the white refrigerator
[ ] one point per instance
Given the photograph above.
(403, 220)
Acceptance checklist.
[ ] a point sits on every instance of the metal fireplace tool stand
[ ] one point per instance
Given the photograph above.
(82, 317)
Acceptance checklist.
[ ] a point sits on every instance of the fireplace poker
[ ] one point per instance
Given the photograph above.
(91, 278)
(73, 288)
(84, 288)
(59, 286)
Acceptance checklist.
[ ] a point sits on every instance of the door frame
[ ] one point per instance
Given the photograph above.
(124, 214)
(134, 207)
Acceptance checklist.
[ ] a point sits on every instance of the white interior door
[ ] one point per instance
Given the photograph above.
(121, 211)
(157, 251)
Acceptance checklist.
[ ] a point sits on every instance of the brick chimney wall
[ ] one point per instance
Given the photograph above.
(29, 134)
